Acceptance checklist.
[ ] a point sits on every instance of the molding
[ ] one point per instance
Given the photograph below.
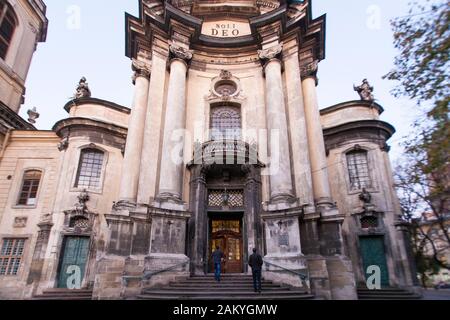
(140, 30)
(98, 131)
(90, 100)
(11, 120)
(350, 104)
(375, 131)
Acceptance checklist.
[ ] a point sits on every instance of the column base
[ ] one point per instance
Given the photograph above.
(169, 201)
(123, 206)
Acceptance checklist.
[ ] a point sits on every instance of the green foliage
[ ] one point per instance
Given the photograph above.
(422, 67)
(422, 72)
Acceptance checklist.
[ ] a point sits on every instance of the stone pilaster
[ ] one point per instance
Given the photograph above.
(132, 157)
(38, 259)
(172, 155)
(281, 189)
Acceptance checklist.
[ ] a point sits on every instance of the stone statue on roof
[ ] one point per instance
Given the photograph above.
(365, 91)
(83, 90)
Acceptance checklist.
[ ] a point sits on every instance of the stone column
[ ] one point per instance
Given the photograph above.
(280, 166)
(321, 185)
(170, 184)
(131, 163)
(148, 178)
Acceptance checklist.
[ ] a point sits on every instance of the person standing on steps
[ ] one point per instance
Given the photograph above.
(217, 257)
(255, 261)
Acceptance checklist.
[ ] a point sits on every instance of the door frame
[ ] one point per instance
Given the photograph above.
(225, 215)
(64, 237)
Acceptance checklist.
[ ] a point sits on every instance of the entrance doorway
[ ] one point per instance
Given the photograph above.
(373, 254)
(227, 234)
(73, 261)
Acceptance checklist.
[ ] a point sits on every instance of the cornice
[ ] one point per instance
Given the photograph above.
(90, 100)
(351, 104)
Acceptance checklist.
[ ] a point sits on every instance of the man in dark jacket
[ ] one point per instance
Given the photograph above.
(256, 261)
(217, 257)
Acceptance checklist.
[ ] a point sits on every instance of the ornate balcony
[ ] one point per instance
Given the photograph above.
(225, 151)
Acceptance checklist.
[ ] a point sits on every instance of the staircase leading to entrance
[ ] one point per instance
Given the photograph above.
(64, 294)
(231, 287)
(387, 294)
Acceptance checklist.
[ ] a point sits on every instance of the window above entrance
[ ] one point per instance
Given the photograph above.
(233, 198)
(225, 122)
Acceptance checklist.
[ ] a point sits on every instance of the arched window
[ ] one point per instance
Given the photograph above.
(358, 170)
(8, 23)
(89, 168)
(30, 186)
(225, 123)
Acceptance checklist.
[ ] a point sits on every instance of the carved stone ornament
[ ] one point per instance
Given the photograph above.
(365, 196)
(225, 87)
(365, 91)
(33, 115)
(20, 222)
(83, 198)
(83, 90)
(180, 52)
(141, 69)
(271, 52)
(310, 69)
(63, 144)
(225, 75)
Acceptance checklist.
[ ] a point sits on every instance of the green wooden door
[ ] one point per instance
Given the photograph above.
(75, 254)
(372, 251)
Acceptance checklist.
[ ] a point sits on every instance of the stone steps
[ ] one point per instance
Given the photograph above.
(387, 294)
(64, 294)
(231, 287)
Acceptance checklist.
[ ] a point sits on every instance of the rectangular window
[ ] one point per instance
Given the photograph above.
(30, 187)
(90, 169)
(7, 26)
(358, 170)
(11, 256)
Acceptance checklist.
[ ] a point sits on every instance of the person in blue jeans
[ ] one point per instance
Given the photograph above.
(217, 257)
(255, 261)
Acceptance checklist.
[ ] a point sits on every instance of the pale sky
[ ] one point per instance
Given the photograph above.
(358, 45)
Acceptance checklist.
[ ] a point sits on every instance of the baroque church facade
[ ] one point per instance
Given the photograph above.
(223, 144)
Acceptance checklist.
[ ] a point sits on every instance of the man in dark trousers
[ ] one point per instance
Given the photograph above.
(256, 261)
(217, 257)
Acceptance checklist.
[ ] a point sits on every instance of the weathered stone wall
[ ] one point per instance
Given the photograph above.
(26, 150)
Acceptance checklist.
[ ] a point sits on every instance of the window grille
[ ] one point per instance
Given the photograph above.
(90, 169)
(225, 123)
(222, 197)
(369, 222)
(11, 256)
(358, 170)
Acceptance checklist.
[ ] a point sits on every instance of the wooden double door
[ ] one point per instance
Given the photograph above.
(373, 254)
(227, 234)
(73, 261)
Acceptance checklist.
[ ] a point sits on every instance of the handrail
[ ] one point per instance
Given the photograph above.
(301, 275)
(148, 275)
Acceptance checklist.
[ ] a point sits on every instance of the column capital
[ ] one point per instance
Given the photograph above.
(141, 69)
(309, 70)
(179, 52)
(271, 54)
